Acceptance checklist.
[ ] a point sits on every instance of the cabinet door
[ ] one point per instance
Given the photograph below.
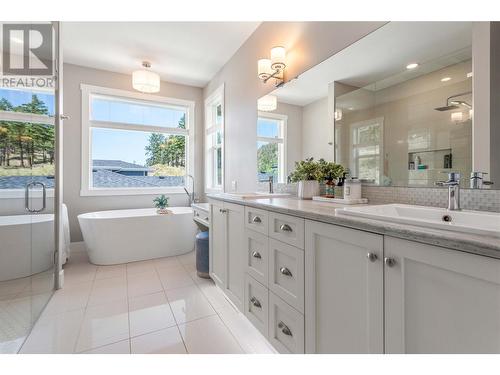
(343, 290)
(218, 244)
(439, 300)
(257, 256)
(235, 271)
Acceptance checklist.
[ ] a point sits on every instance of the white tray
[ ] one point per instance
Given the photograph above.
(340, 200)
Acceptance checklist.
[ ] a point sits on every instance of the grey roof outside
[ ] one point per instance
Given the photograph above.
(117, 164)
(102, 178)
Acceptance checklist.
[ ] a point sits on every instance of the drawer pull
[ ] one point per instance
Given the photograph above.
(256, 220)
(285, 271)
(284, 328)
(256, 254)
(389, 262)
(256, 302)
(372, 257)
(286, 228)
(222, 210)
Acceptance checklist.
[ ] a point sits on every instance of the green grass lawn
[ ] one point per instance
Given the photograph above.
(37, 170)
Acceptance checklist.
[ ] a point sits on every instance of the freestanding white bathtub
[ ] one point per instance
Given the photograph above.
(26, 245)
(122, 236)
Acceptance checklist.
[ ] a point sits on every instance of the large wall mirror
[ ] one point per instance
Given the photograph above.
(397, 108)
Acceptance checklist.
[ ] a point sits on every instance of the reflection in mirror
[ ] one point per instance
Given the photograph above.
(395, 108)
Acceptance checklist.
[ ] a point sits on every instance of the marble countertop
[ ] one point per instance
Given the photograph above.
(325, 212)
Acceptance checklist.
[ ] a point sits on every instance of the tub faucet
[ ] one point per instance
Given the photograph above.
(453, 184)
(191, 195)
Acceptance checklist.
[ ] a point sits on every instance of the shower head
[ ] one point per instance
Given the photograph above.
(447, 108)
(454, 104)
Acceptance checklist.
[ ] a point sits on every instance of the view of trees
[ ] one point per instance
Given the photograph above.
(169, 150)
(23, 144)
(267, 158)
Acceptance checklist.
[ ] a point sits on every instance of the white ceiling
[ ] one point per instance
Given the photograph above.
(382, 54)
(189, 53)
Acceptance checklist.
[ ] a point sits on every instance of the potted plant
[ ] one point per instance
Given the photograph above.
(161, 203)
(306, 173)
(329, 172)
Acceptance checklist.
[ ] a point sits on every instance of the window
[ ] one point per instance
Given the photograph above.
(214, 141)
(134, 143)
(271, 144)
(27, 139)
(366, 150)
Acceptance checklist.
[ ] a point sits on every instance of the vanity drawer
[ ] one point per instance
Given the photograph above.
(286, 273)
(257, 256)
(257, 304)
(257, 220)
(286, 326)
(288, 229)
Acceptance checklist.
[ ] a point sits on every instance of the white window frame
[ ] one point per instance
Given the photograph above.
(86, 166)
(380, 144)
(215, 98)
(282, 159)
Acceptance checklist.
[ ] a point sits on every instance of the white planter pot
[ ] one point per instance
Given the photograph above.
(308, 189)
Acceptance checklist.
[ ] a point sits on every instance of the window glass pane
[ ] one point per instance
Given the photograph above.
(367, 134)
(218, 114)
(130, 112)
(368, 150)
(268, 128)
(26, 149)
(267, 161)
(368, 168)
(218, 163)
(134, 159)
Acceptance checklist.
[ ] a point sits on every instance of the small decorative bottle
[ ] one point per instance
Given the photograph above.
(329, 189)
(339, 189)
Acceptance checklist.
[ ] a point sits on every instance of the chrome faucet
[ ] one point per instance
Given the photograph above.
(191, 195)
(271, 185)
(453, 184)
(477, 180)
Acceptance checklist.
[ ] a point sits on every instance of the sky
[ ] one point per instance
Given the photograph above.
(18, 97)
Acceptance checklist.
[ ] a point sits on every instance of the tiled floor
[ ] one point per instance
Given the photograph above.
(156, 306)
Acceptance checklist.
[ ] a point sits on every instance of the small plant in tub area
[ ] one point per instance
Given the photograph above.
(161, 203)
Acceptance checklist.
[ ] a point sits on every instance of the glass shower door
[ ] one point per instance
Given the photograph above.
(27, 178)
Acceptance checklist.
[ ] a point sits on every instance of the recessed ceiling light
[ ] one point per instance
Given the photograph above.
(445, 79)
(411, 66)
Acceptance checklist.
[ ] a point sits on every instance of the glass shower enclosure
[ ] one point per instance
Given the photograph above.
(29, 183)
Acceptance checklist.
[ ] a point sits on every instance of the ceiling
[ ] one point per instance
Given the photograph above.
(382, 54)
(189, 53)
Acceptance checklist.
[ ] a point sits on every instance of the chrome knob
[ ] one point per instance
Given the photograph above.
(285, 271)
(286, 228)
(372, 257)
(284, 328)
(256, 302)
(256, 254)
(389, 262)
(256, 219)
(222, 210)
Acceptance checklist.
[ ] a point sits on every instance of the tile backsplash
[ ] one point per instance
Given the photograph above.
(482, 200)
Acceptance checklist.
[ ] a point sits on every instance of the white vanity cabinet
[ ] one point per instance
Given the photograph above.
(343, 290)
(227, 250)
(439, 300)
(314, 287)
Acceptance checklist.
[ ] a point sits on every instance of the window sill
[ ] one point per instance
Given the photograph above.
(125, 192)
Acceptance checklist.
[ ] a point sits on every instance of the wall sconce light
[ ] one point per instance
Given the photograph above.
(267, 103)
(457, 116)
(274, 67)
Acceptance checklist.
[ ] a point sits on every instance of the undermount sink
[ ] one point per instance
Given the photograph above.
(473, 222)
(257, 195)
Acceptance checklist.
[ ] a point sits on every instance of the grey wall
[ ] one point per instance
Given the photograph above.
(307, 44)
(317, 131)
(73, 77)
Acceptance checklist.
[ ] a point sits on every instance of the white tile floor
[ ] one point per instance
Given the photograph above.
(156, 306)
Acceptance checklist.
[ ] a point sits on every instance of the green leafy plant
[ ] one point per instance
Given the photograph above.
(305, 170)
(161, 202)
(329, 171)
